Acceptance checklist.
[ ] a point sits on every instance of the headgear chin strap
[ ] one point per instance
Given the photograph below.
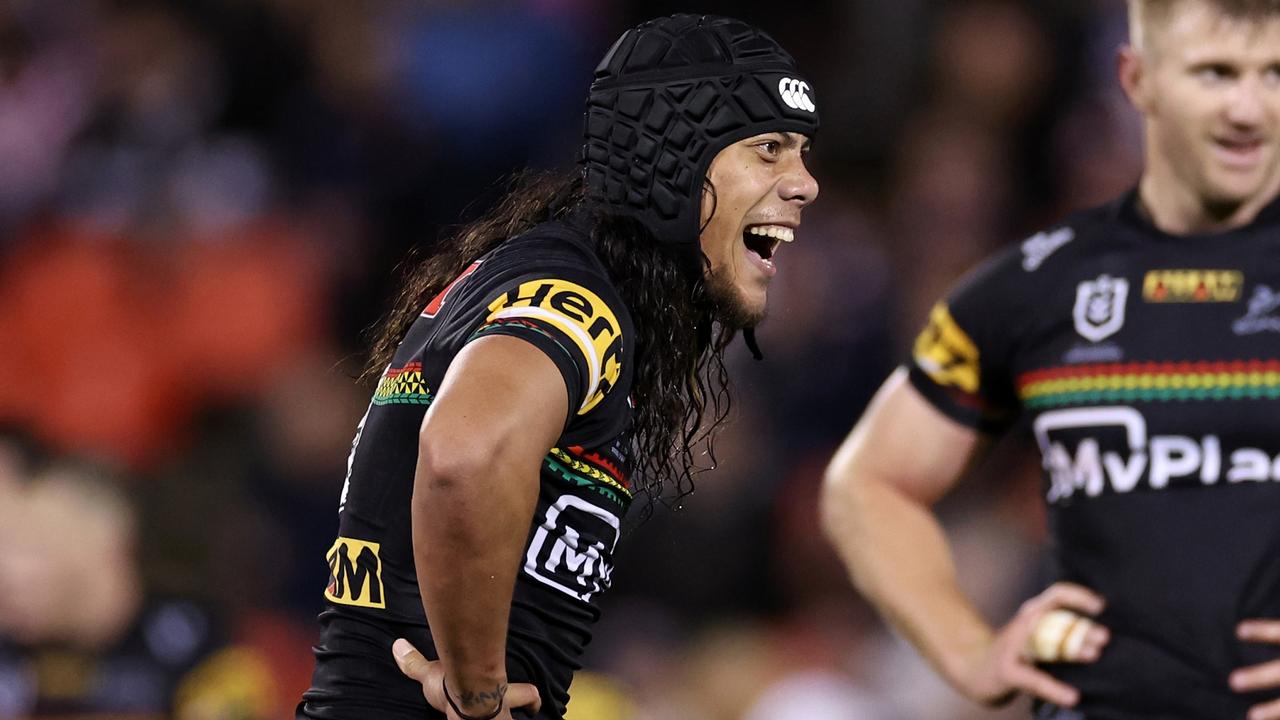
(669, 95)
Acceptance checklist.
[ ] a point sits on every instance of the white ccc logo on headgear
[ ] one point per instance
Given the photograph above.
(795, 93)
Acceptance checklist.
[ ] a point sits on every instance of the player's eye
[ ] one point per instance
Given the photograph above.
(1214, 73)
(770, 148)
(1272, 75)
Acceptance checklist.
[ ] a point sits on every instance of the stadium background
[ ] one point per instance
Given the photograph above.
(202, 203)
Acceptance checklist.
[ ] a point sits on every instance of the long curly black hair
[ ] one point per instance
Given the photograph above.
(680, 385)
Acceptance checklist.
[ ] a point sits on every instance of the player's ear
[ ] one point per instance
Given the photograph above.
(1132, 71)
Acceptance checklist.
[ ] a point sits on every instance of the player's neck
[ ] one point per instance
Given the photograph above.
(1176, 209)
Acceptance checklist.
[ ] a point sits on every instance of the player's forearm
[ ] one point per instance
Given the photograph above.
(899, 559)
(470, 523)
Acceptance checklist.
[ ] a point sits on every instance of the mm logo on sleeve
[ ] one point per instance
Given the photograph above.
(572, 548)
(946, 353)
(355, 574)
(578, 313)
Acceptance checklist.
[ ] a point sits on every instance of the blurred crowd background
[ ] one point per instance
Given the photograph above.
(202, 207)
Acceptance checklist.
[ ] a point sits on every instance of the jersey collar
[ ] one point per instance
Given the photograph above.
(1129, 211)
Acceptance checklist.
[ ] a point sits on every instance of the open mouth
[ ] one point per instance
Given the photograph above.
(1239, 150)
(763, 240)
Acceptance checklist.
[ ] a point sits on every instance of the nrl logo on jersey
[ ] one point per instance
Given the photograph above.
(1099, 308)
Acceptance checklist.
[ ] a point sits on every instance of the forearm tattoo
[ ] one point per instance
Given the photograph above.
(483, 698)
(470, 699)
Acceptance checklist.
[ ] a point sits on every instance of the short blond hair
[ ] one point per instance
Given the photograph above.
(1143, 14)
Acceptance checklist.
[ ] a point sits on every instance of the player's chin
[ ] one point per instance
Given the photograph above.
(1230, 191)
(740, 305)
(1237, 185)
(752, 305)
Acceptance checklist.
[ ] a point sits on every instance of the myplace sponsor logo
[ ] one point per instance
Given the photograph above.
(572, 548)
(1156, 460)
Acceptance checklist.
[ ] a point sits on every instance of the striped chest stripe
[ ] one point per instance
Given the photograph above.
(1254, 379)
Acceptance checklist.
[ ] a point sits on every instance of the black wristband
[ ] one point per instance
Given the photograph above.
(458, 710)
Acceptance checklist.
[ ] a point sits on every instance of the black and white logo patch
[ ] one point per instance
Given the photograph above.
(795, 93)
(1263, 314)
(1099, 308)
(1091, 451)
(572, 549)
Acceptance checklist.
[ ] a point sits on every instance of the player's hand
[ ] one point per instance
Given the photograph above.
(430, 674)
(1050, 627)
(1263, 676)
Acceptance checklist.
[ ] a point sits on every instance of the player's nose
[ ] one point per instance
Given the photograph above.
(798, 184)
(1246, 106)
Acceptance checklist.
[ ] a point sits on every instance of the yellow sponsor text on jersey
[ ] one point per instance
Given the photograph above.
(947, 353)
(1192, 286)
(355, 574)
(578, 313)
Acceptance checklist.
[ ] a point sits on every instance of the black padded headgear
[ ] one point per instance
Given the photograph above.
(668, 96)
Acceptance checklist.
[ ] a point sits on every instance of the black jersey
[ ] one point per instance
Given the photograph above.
(1148, 368)
(548, 288)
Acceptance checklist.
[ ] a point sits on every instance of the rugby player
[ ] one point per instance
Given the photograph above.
(1140, 342)
(549, 365)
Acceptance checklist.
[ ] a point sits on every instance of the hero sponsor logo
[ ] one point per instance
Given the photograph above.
(1155, 459)
(578, 313)
(1099, 308)
(572, 548)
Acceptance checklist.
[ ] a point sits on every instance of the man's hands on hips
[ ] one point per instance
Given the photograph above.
(1050, 627)
(1263, 676)
(431, 675)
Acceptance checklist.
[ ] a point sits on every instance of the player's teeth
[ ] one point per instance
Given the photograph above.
(777, 232)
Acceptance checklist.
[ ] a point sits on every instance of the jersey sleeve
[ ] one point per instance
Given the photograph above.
(961, 361)
(576, 318)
